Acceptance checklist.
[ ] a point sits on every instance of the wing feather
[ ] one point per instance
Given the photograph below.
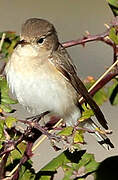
(62, 61)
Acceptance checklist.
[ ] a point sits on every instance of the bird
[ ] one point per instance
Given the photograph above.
(43, 77)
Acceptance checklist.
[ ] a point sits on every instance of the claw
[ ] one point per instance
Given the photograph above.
(37, 118)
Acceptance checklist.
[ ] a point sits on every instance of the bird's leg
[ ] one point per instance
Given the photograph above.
(36, 125)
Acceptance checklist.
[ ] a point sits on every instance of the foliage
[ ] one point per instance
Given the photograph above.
(10, 42)
(71, 163)
(114, 6)
(113, 92)
(6, 101)
(16, 145)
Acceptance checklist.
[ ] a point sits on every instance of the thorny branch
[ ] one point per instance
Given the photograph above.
(89, 38)
(103, 37)
(3, 164)
(104, 81)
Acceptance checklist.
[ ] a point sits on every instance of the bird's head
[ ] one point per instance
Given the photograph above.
(40, 33)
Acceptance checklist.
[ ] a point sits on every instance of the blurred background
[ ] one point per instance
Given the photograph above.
(71, 19)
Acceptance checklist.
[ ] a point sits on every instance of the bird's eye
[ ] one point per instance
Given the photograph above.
(40, 41)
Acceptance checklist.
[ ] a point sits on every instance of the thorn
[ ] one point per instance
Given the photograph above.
(87, 33)
(107, 38)
(107, 26)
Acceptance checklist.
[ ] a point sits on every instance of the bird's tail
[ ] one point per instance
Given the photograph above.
(101, 138)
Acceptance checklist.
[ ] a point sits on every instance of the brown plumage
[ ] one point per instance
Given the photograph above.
(41, 74)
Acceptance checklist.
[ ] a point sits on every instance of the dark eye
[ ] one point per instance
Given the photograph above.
(40, 41)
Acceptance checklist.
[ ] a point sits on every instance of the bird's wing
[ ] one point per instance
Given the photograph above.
(62, 61)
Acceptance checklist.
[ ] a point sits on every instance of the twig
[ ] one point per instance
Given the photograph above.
(28, 147)
(2, 165)
(13, 171)
(96, 83)
(104, 81)
(2, 68)
(2, 41)
(11, 145)
(44, 136)
(85, 175)
(115, 49)
(26, 156)
(90, 38)
(34, 147)
(37, 126)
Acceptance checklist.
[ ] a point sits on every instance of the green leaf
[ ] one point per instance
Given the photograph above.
(68, 173)
(10, 121)
(89, 162)
(4, 92)
(113, 2)
(10, 42)
(16, 154)
(70, 163)
(113, 92)
(3, 84)
(5, 99)
(100, 96)
(60, 161)
(113, 36)
(26, 173)
(78, 137)
(66, 131)
(114, 6)
(56, 162)
(1, 128)
(50, 169)
(86, 114)
(11, 47)
(6, 108)
(1, 144)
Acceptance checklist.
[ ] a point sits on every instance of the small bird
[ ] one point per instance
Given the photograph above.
(41, 74)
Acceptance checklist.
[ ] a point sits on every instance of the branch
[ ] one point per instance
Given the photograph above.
(36, 125)
(104, 37)
(2, 41)
(11, 145)
(104, 81)
(89, 38)
(111, 72)
(3, 165)
(26, 157)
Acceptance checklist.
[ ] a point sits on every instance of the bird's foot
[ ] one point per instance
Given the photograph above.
(38, 117)
(43, 130)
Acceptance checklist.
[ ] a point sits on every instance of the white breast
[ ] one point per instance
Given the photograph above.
(39, 87)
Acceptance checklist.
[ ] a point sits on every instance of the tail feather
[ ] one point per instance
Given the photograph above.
(79, 86)
(102, 139)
